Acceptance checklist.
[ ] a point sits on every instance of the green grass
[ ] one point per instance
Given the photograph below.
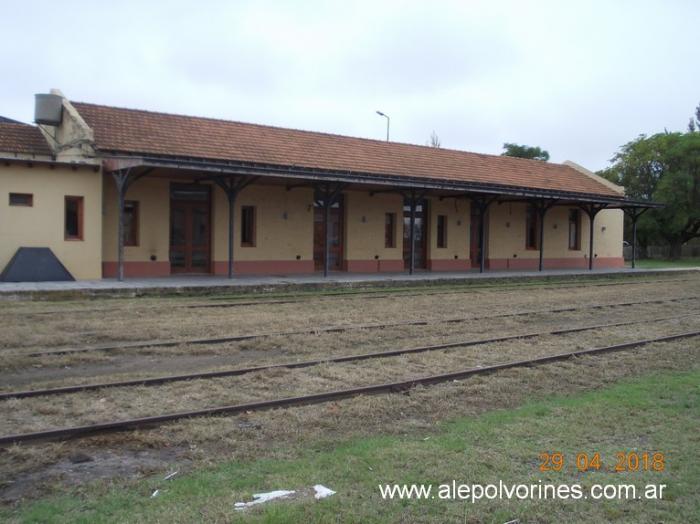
(652, 413)
(650, 263)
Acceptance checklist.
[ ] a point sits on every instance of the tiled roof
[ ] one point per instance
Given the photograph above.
(5, 120)
(22, 138)
(144, 132)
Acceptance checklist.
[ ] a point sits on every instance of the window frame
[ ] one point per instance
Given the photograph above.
(390, 230)
(135, 224)
(29, 202)
(441, 226)
(577, 223)
(250, 225)
(532, 226)
(80, 200)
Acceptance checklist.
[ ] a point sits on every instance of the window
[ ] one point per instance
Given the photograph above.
(248, 226)
(21, 199)
(73, 225)
(442, 231)
(390, 230)
(531, 224)
(574, 229)
(131, 223)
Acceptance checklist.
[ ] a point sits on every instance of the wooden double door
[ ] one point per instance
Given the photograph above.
(475, 237)
(336, 240)
(420, 228)
(190, 229)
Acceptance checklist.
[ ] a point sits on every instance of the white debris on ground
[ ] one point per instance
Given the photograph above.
(322, 491)
(155, 493)
(259, 498)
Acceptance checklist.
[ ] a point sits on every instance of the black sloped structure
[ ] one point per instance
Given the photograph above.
(35, 264)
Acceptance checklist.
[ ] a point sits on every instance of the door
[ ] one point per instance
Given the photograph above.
(190, 229)
(335, 226)
(475, 236)
(420, 232)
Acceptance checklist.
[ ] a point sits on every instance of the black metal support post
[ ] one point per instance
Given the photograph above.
(634, 213)
(590, 242)
(121, 181)
(123, 178)
(231, 197)
(326, 231)
(329, 194)
(232, 186)
(413, 198)
(592, 210)
(412, 233)
(482, 206)
(634, 244)
(482, 238)
(542, 206)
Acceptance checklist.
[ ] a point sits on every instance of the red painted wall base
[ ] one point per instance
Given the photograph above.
(373, 266)
(265, 267)
(290, 267)
(449, 265)
(532, 264)
(137, 269)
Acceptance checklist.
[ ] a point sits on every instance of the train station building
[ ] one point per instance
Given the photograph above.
(115, 192)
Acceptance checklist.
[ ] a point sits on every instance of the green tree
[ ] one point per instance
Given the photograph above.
(665, 168)
(523, 151)
(694, 124)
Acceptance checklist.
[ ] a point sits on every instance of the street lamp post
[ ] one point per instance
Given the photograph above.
(388, 120)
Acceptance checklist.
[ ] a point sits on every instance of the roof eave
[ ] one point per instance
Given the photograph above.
(150, 160)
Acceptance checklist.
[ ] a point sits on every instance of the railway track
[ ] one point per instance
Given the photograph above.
(326, 329)
(357, 294)
(67, 433)
(379, 293)
(310, 363)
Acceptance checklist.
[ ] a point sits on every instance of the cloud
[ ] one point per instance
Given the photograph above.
(577, 79)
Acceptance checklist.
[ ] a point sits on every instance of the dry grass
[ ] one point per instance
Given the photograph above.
(34, 414)
(207, 441)
(210, 439)
(134, 322)
(71, 369)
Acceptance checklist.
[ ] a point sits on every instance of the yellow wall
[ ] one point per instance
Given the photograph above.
(43, 224)
(607, 243)
(277, 237)
(457, 211)
(365, 222)
(507, 233)
(283, 239)
(153, 196)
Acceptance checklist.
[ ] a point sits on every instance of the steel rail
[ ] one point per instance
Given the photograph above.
(368, 295)
(327, 329)
(67, 433)
(409, 291)
(153, 306)
(156, 381)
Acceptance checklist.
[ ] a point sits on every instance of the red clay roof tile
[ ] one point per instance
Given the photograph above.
(145, 132)
(22, 138)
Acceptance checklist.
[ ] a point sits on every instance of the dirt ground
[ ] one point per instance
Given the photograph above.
(30, 470)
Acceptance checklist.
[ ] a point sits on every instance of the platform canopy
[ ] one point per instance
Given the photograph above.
(134, 143)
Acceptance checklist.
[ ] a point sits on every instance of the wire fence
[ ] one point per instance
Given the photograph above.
(660, 252)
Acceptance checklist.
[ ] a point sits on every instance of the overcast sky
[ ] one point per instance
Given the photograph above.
(578, 79)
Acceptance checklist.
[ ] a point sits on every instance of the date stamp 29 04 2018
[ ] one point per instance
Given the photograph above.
(625, 461)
